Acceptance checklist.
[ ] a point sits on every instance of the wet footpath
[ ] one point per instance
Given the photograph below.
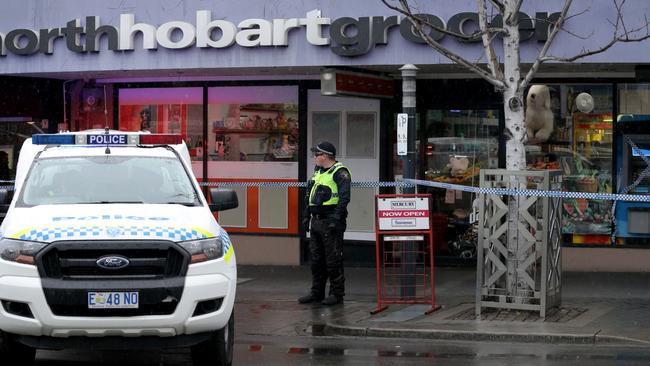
(597, 308)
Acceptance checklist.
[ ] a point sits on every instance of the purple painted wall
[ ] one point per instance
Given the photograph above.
(38, 14)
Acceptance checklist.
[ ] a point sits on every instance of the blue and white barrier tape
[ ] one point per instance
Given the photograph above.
(533, 192)
(253, 184)
(457, 187)
(360, 184)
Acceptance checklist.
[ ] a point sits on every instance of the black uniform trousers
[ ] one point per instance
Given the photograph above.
(326, 249)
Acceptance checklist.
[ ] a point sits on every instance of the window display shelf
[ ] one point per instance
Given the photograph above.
(459, 160)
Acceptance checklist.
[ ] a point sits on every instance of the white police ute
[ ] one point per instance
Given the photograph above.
(109, 243)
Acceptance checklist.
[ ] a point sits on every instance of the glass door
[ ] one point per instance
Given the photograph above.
(352, 125)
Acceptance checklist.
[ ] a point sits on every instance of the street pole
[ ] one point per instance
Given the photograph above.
(409, 72)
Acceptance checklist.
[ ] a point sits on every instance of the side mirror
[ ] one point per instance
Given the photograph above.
(223, 199)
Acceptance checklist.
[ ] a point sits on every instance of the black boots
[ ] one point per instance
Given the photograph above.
(330, 300)
(309, 299)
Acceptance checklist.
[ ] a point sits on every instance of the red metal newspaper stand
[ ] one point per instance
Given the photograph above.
(404, 250)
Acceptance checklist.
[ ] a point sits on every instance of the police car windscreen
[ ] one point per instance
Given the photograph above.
(107, 179)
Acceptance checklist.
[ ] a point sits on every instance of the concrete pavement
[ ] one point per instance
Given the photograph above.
(597, 308)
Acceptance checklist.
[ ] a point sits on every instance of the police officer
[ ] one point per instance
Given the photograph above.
(328, 195)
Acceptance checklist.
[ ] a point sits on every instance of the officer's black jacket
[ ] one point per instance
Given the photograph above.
(340, 210)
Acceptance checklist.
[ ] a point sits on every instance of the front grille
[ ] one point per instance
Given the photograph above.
(156, 271)
(78, 260)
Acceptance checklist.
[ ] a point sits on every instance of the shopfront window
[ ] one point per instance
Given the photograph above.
(570, 131)
(253, 137)
(253, 123)
(633, 129)
(166, 110)
(459, 143)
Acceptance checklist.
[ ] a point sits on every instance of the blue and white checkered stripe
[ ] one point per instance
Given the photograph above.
(457, 187)
(80, 232)
(360, 184)
(225, 240)
(57, 233)
(253, 184)
(533, 192)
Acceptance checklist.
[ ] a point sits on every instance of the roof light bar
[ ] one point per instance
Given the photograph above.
(160, 139)
(106, 139)
(53, 139)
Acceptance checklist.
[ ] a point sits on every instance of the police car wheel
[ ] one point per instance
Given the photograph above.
(15, 353)
(218, 350)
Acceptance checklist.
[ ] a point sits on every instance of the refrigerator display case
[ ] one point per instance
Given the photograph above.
(588, 169)
(584, 160)
(633, 218)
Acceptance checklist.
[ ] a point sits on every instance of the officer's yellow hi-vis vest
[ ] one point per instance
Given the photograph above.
(325, 187)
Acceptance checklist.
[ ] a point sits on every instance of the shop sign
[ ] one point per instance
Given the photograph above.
(348, 37)
(336, 82)
(402, 134)
(403, 213)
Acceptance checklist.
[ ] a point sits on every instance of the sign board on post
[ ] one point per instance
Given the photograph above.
(404, 232)
(402, 133)
(403, 213)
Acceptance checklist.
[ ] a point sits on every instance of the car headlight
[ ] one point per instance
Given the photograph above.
(19, 251)
(204, 249)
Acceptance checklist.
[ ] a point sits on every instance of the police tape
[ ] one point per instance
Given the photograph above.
(532, 192)
(457, 187)
(360, 184)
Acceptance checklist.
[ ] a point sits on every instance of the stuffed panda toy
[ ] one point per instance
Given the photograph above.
(539, 117)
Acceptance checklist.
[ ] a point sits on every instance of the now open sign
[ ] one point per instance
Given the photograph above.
(403, 213)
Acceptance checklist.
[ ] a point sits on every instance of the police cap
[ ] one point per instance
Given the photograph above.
(324, 147)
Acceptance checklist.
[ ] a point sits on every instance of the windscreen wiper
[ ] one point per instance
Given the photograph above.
(188, 204)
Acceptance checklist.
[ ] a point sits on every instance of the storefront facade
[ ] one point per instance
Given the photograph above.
(241, 83)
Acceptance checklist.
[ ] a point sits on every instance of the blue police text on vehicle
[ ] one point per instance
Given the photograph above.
(106, 139)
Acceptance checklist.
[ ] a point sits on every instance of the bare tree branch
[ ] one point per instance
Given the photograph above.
(568, 17)
(619, 12)
(577, 14)
(578, 35)
(419, 25)
(547, 45)
(574, 15)
(518, 6)
(492, 63)
(587, 53)
(468, 38)
(499, 4)
(627, 36)
(508, 18)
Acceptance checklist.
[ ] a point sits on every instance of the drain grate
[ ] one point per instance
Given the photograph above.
(557, 315)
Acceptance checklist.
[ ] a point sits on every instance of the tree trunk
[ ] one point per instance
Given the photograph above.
(515, 150)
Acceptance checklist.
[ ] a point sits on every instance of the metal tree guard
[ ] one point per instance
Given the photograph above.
(535, 263)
